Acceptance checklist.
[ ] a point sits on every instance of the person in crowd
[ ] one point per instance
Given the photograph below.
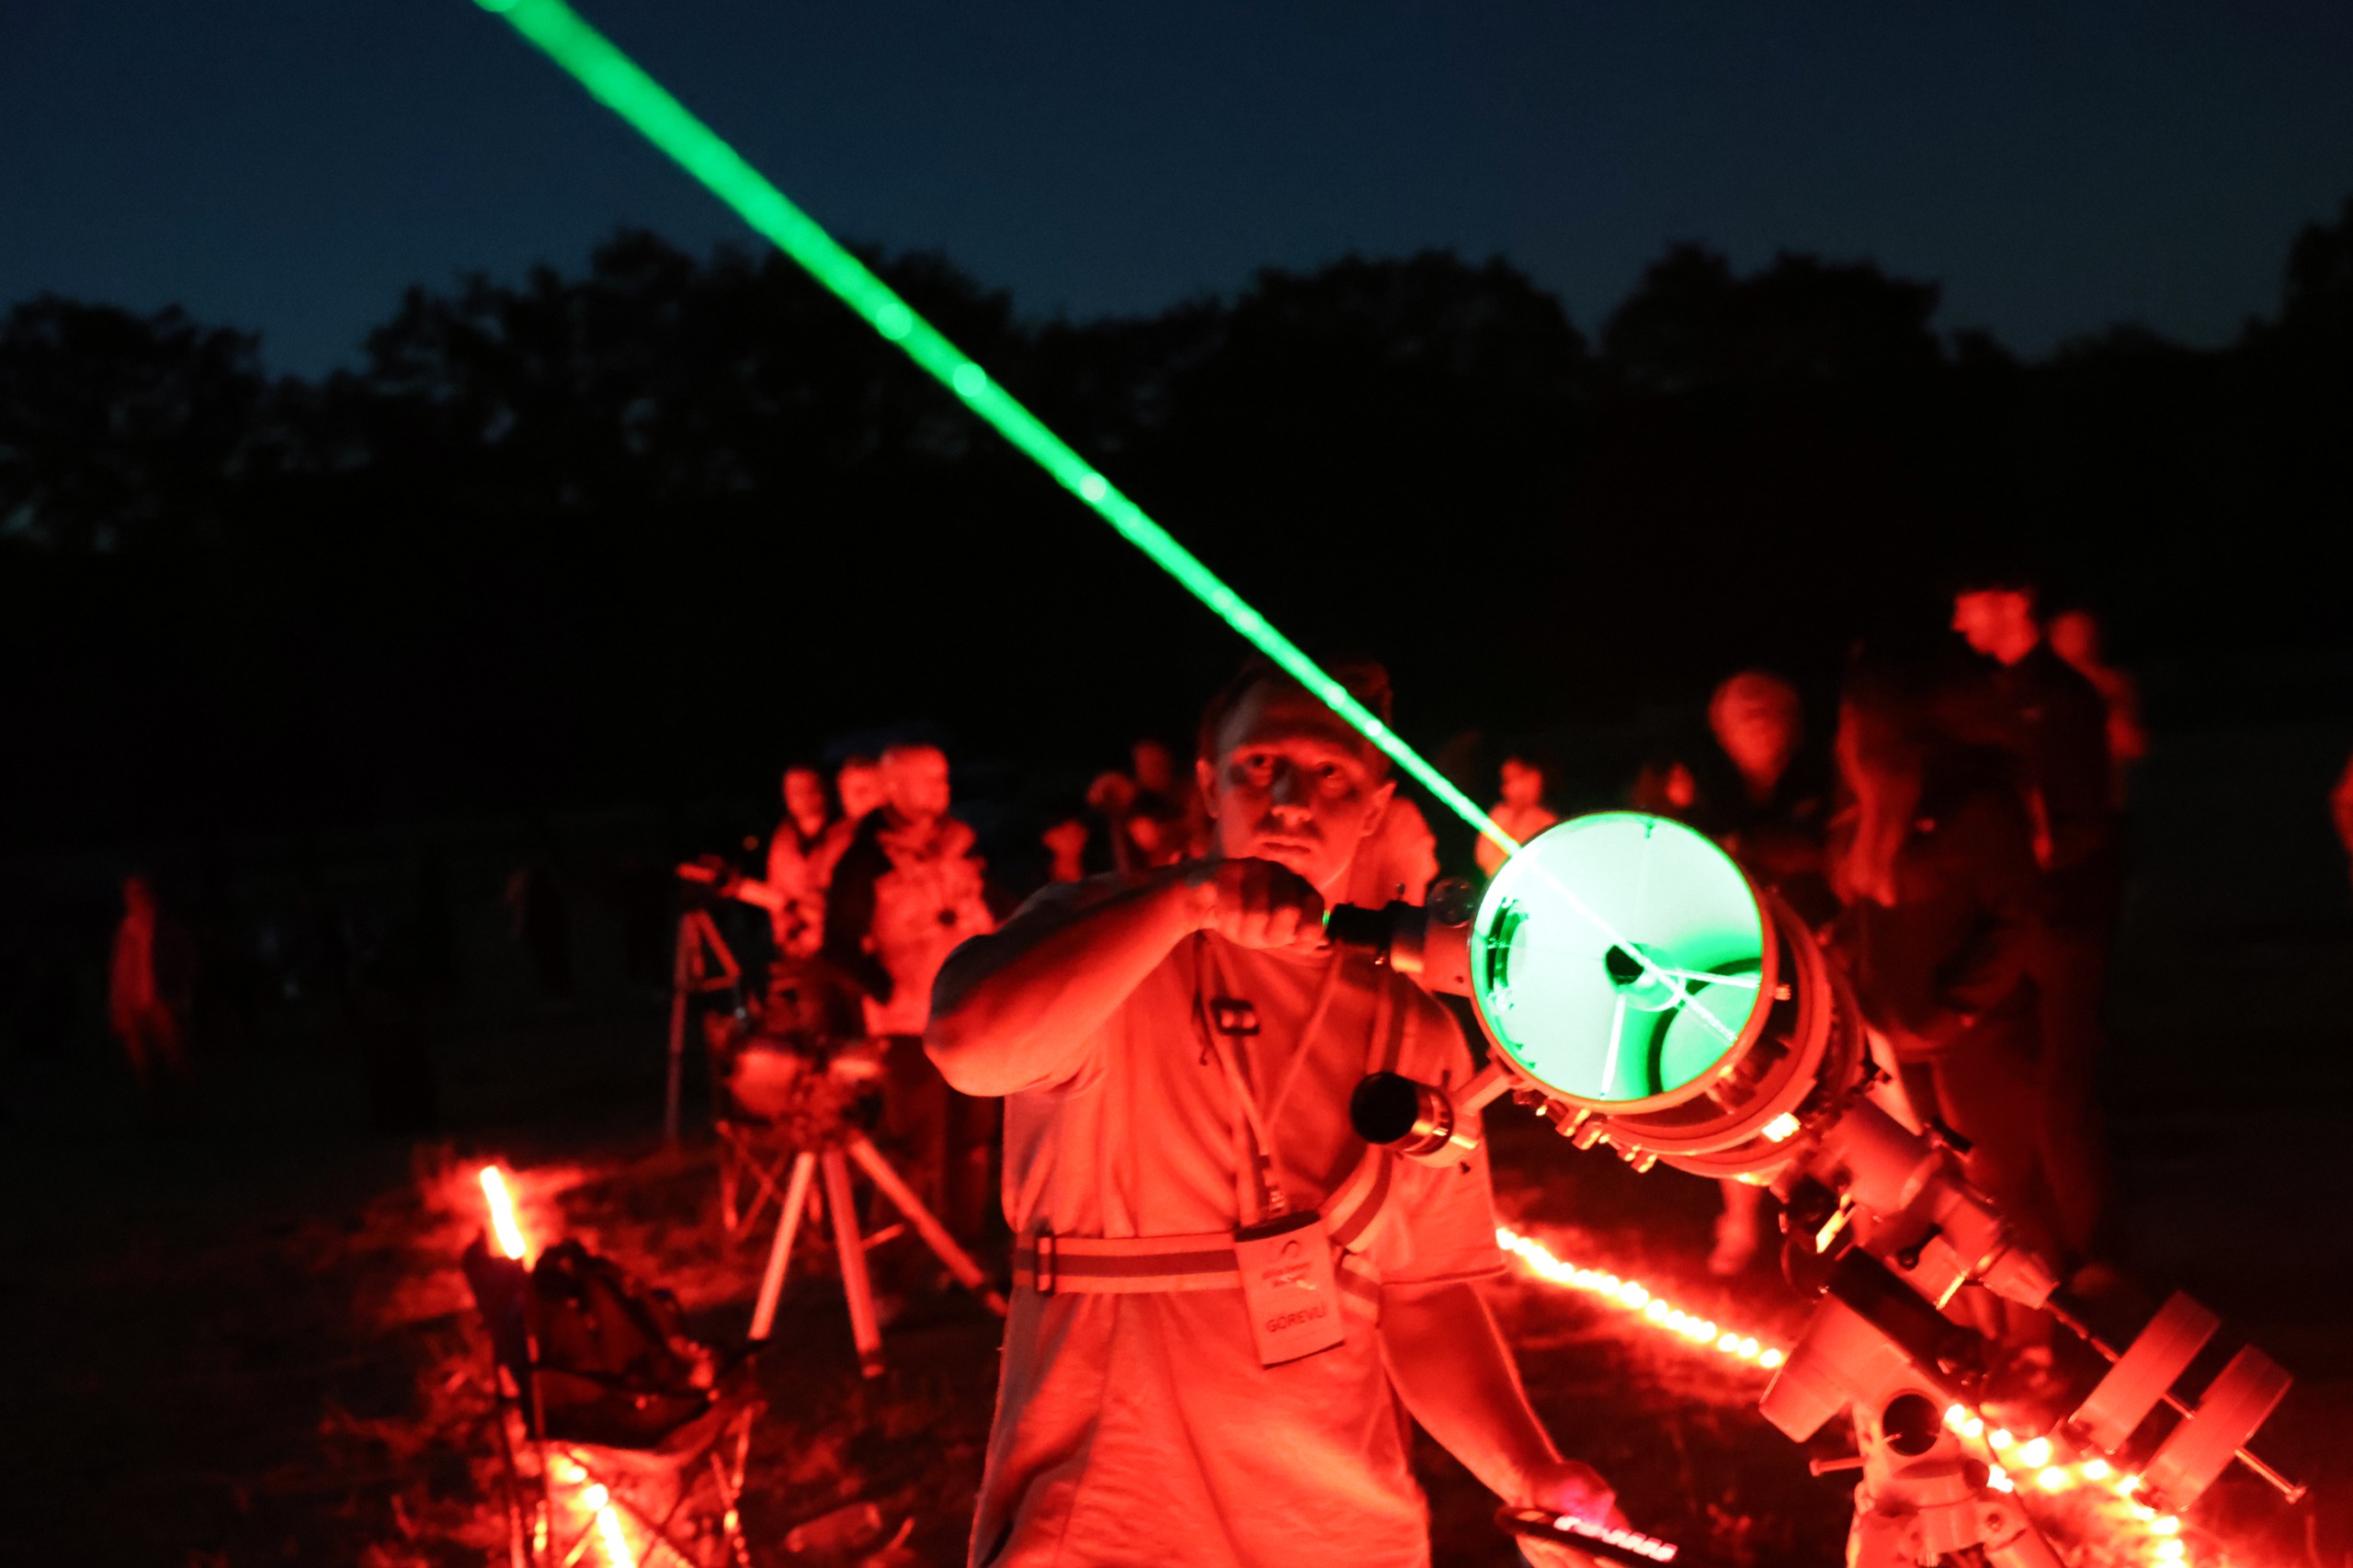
(1065, 843)
(1521, 812)
(1665, 787)
(149, 979)
(799, 919)
(2074, 636)
(1155, 769)
(1933, 858)
(858, 785)
(807, 812)
(1156, 833)
(1769, 813)
(1398, 860)
(904, 894)
(2060, 723)
(1155, 817)
(2341, 808)
(1177, 1052)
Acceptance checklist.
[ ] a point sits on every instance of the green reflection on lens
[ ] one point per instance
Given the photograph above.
(1598, 994)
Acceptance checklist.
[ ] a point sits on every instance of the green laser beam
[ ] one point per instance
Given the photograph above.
(617, 82)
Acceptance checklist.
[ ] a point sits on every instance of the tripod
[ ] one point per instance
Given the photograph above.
(703, 964)
(856, 1288)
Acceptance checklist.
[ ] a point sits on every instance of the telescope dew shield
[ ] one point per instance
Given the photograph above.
(1619, 961)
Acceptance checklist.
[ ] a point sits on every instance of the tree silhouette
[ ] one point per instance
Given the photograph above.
(120, 432)
(646, 528)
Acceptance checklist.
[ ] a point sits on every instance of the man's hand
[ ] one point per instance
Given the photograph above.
(1568, 1486)
(1255, 903)
(1571, 1486)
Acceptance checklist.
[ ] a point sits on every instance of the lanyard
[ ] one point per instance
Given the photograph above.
(1269, 1167)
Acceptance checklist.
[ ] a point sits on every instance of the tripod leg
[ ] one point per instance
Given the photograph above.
(739, 1156)
(943, 1245)
(796, 1197)
(729, 1221)
(847, 1242)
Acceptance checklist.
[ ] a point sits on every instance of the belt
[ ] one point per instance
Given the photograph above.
(1099, 1264)
(1103, 1265)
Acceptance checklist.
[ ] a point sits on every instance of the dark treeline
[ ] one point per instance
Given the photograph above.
(642, 533)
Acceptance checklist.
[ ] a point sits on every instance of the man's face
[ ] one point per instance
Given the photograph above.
(804, 795)
(1994, 621)
(1523, 784)
(916, 781)
(860, 789)
(1759, 737)
(1292, 784)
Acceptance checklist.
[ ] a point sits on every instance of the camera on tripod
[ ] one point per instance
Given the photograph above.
(793, 1055)
(798, 1091)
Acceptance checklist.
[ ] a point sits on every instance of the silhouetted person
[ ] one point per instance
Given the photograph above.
(1770, 806)
(1153, 815)
(798, 924)
(1066, 842)
(2074, 636)
(904, 894)
(1935, 860)
(2341, 808)
(2063, 725)
(858, 785)
(1769, 813)
(1521, 812)
(149, 979)
(1666, 787)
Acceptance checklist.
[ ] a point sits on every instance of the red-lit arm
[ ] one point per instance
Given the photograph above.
(1014, 1009)
(1449, 1364)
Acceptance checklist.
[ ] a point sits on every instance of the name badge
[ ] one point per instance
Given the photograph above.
(1289, 1287)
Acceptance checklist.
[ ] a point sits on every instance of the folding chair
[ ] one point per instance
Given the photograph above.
(621, 1442)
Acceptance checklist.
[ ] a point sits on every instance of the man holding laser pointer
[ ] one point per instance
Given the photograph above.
(1223, 1294)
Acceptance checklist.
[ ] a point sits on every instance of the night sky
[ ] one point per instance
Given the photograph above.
(290, 169)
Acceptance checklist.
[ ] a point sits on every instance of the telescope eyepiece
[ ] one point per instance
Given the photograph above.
(1389, 1108)
(1419, 1120)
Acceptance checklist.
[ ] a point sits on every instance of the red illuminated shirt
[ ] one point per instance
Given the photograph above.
(1142, 1427)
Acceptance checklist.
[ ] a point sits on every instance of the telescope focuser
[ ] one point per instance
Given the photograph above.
(1429, 944)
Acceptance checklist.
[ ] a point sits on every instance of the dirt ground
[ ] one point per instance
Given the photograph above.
(234, 1346)
(236, 1335)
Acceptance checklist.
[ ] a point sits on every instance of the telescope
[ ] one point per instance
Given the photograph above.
(1640, 992)
(714, 878)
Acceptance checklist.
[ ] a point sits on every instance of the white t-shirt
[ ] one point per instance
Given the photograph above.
(1141, 1428)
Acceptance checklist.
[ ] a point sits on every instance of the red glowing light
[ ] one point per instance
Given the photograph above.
(608, 1530)
(1639, 1299)
(501, 1213)
(2102, 1499)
